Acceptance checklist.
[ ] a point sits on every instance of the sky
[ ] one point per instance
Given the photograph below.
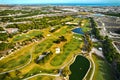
(56, 1)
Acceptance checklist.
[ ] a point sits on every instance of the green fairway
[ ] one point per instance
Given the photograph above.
(68, 48)
(86, 29)
(43, 78)
(79, 68)
(43, 46)
(102, 70)
(35, 49)
(62, 32)
(14, 62)
(26, 36)
(33, 71)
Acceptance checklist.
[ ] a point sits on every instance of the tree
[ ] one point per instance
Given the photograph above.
(6, 19)
(95, 30)
(108, 49)
(88, 43)
(62, 38)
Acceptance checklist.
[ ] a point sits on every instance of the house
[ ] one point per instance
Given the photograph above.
(57, 50)
(71, 23)
(12, 30)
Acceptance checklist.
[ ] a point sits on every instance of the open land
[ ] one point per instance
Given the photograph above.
(43, 43)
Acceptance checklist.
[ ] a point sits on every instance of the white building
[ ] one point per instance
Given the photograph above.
(57, 50)
(12, 30)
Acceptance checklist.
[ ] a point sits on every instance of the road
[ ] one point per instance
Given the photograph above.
(60, 71)
(42, 74)
(105, 33)
(98, 53)
(116, 47)
(8, 23)
(90, 54)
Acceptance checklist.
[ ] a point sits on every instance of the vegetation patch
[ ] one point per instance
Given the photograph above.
(102, 70)
(43, 46)
(14, 62)
(29, 35)
(68, 48)
(43, 78)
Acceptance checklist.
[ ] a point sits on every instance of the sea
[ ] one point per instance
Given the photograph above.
(71, 4)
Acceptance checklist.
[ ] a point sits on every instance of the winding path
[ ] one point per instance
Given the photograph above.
(90, 54)
(45, 74)
(25, 64)
(19, 67)
(42, 74)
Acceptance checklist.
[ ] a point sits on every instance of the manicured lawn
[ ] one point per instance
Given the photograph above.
(33, 71)
(43, 46)
(14, 62)
(37, 70)
(55, 62)
(79, 68)
(76, 20)
(17, 59)
(68, 48)
(43, 78)
(102, 70)
(28, 35)
(86, 29)
(67, 19)
(62, 32)
(85, 25)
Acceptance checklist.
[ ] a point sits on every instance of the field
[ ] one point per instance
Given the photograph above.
(102, 70)
(43, 78)
(57, 43)
(26, 36)
(23, 62)
(68, 48)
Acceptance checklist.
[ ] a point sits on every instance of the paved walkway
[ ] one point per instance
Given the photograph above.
(19, 67)
(90, 54)
(41, 74)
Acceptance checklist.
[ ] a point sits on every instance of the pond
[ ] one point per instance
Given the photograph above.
(98, 15)
(78, 31)
(79, 68)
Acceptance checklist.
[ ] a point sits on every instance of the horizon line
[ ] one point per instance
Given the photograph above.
(68, 4)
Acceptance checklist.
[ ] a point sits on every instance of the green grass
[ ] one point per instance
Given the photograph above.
(76, 20)
(43, 46)
(78, 35)
(67, 49)
(43, 78)
(97, 44)
(37, 70)
(86, 29)
(69, 18)
(102, 70)
(62, 32)
(23, 37)
(33, 71)
(14, 62)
